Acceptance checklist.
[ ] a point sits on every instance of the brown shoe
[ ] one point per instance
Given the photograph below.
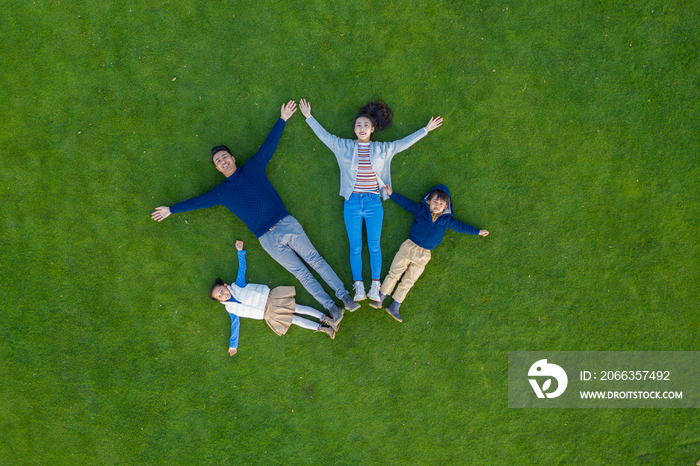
(330, 322)
(327, 330)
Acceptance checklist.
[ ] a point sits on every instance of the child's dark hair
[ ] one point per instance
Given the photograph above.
(217, 282)
(216, 149)
(378, 113)
(441, 195)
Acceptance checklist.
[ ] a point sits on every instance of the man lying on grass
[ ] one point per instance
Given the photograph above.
(248, 193)
(276, 307)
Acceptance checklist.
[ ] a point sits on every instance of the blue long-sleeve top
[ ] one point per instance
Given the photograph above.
(424, 232)
(240, 282)
(248, 192)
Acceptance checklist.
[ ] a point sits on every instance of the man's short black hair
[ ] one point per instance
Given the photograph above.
(216, 149)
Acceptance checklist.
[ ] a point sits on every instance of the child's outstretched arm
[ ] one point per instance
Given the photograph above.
(242, 265)
(461, 227)
(403, 202)
(235, 326)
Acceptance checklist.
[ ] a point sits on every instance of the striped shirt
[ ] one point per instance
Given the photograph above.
(366, 181)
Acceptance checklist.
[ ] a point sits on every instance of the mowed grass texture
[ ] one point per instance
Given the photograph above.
(570, 134)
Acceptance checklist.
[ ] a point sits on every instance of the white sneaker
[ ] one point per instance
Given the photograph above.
(360, 294)
(374, 291)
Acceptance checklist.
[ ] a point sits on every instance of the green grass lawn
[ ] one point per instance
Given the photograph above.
(570, 134)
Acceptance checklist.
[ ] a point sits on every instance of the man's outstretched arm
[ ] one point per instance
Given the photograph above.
(204, 201)
(267, 150)
(288, 110)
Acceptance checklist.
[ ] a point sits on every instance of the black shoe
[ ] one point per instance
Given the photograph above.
(336, 313)
(349, 304)
(393, 310)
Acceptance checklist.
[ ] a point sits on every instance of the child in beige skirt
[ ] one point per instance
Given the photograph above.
(255, 301)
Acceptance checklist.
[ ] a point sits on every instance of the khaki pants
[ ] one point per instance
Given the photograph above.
(409, 261)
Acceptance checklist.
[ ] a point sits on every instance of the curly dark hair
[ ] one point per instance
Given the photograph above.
(217, 282)
(378, 113)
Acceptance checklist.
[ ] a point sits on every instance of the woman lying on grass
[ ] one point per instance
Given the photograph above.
(364, 170)
(276, 307)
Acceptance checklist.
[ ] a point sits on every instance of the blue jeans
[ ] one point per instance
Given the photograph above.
(367, 207)
(288, 244)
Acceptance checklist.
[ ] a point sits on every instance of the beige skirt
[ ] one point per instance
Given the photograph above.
(279, 310)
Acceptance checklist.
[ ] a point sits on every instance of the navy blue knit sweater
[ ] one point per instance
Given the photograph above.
(424, 232)
(247, 192)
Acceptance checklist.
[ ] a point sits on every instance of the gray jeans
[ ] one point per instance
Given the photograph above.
(288, 244)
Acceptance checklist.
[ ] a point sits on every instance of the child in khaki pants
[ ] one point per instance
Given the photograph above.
(432, 216)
